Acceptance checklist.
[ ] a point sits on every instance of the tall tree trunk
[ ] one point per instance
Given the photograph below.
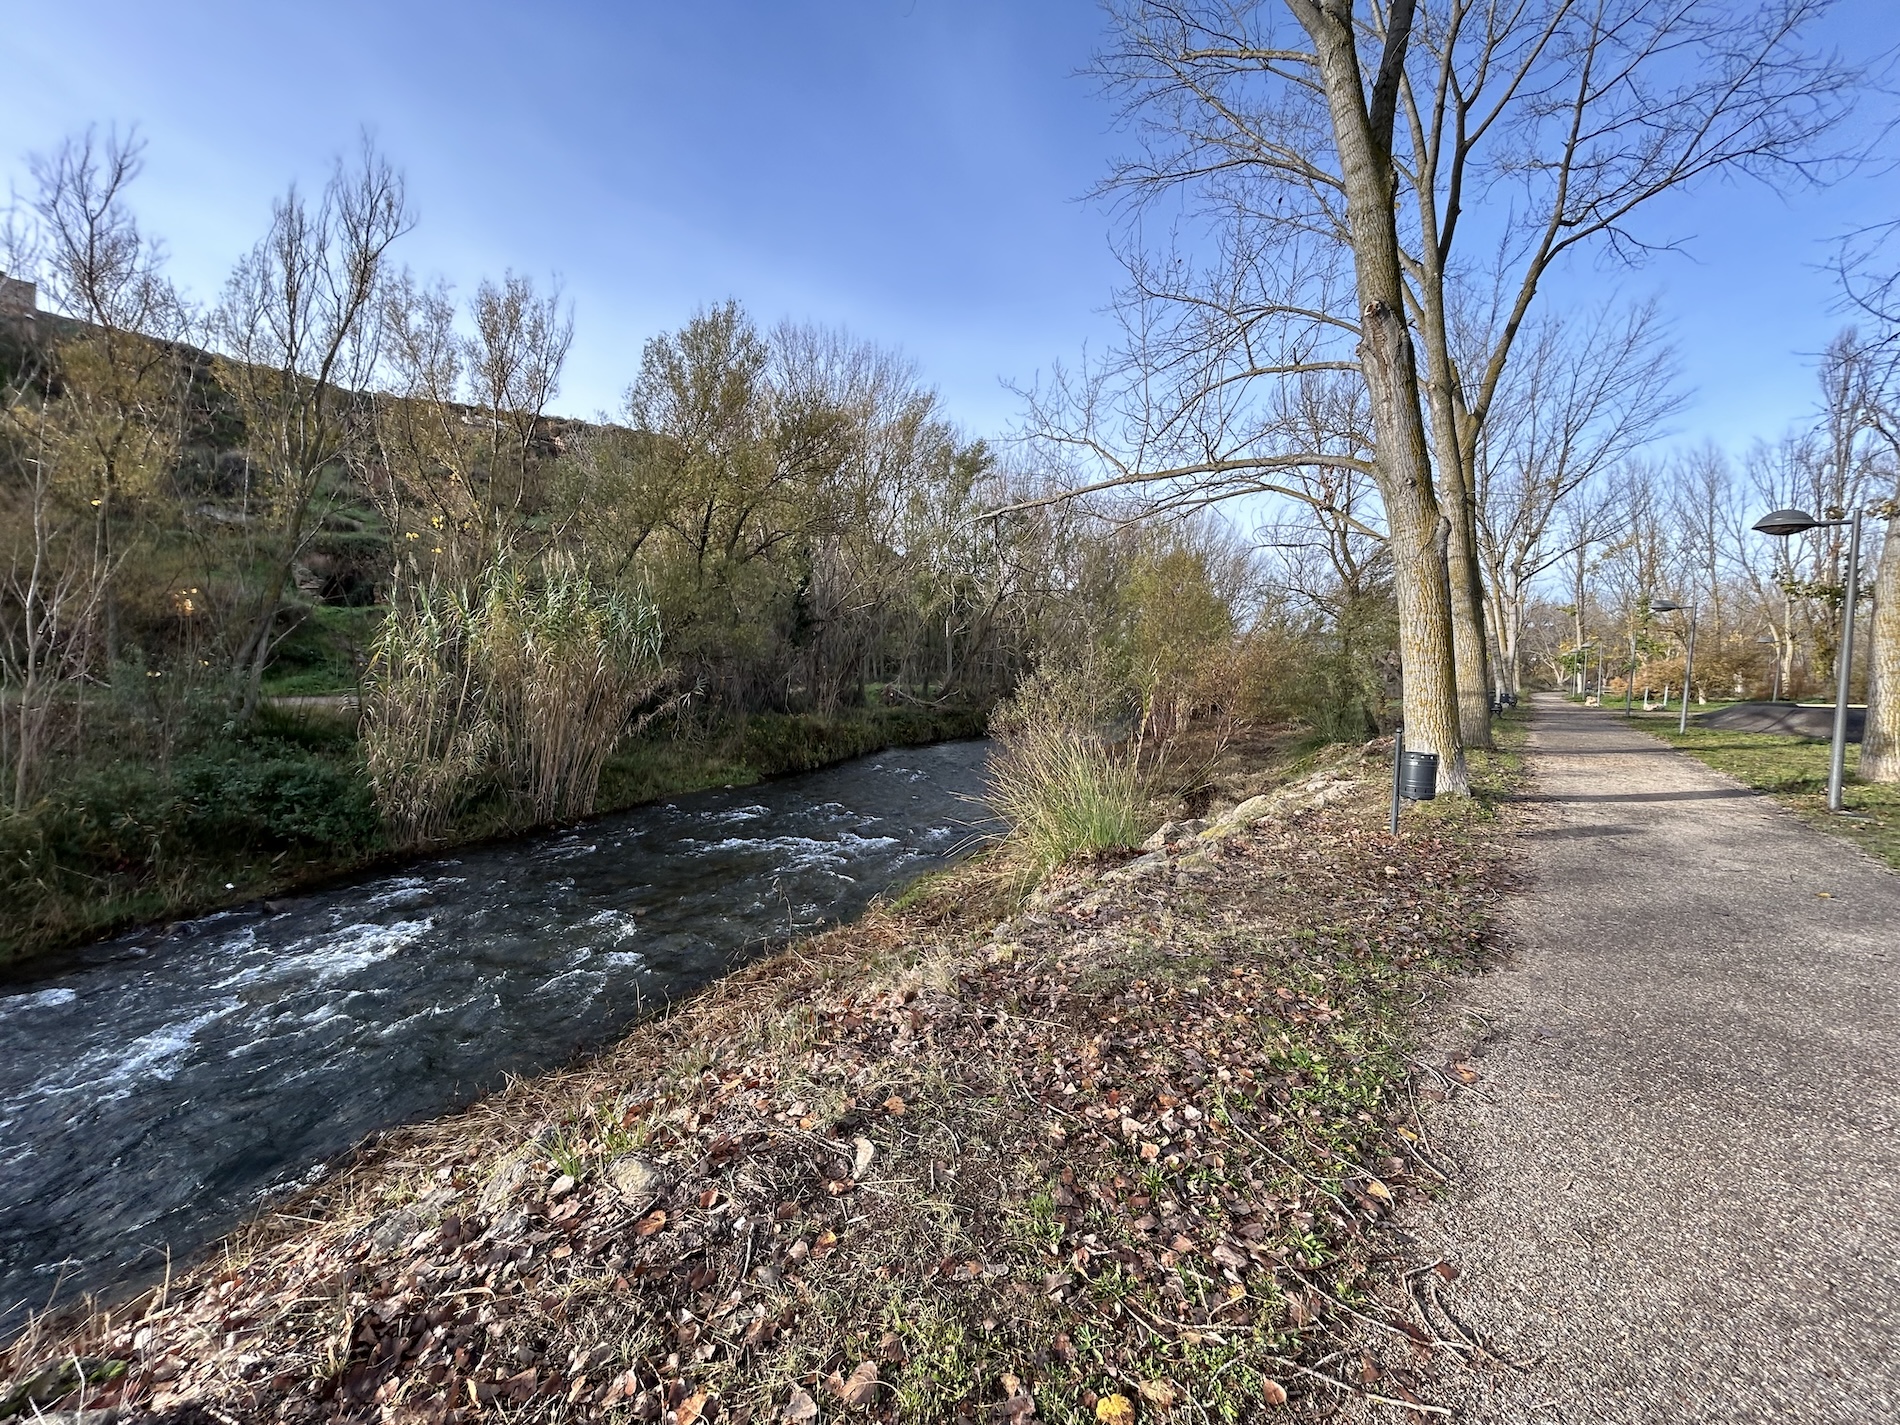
(1880, 743)
(1419, 530)
(1454, 447)
(1466, 583)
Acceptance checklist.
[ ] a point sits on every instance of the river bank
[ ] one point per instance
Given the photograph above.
(1098, 1155)
(286, 809)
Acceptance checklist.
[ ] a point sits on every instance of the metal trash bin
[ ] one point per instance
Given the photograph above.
(1418, 776)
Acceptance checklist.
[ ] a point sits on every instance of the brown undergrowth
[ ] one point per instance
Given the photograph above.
(1118, 1153)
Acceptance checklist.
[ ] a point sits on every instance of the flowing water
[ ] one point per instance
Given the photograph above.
(162, 1085)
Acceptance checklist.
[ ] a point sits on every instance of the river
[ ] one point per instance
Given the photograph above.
(159, 1087)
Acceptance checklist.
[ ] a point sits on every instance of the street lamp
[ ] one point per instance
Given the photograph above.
(1629, 686)
(1666, 606)
(1774, 681)
(1781, 524)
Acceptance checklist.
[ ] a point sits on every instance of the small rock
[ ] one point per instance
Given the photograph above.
(1166, 832)
(1249, 811)
(394, 1229)
(634, 1179)
(507, 1181)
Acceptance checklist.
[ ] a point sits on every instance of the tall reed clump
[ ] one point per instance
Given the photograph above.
(567, 665)
(1062, 778)
(427, 740)
(523, 690)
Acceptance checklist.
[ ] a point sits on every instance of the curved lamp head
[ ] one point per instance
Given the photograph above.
(1782, 523)
(1664, 606)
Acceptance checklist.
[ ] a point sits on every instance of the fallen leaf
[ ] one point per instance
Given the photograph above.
(1377, 1189)
(1272, 1392)
(1447, 1271)
(1115, 1410)
(649, 1224)
(860, 1388)
(692, 1409)
(826, 1241)
(895, 1105)
(709, 1197)
(1019, 1405)
(1158, 1393)
(891, 1348)
(800, 1407)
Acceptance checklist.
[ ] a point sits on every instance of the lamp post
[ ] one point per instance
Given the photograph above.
(1774, 678)
(1583, 668)
(1666, 606)
(1629, 688)
(1781, 524)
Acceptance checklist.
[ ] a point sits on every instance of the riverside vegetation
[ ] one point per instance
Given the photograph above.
(312, 578)
(1118, 1149)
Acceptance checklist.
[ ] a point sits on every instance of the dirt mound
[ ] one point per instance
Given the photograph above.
(1795, 719)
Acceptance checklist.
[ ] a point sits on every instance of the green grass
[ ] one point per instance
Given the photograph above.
(1066, 795)
(324, 654)
(1793, 770)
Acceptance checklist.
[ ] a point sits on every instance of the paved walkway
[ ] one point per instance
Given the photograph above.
(1681, 1167)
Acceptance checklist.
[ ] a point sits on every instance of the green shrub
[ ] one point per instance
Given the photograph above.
(134, 840)
(283, 802)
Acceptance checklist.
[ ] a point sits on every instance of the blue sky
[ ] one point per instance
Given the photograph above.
(912, 169)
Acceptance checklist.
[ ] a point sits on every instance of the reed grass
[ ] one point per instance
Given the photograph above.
(524, 690)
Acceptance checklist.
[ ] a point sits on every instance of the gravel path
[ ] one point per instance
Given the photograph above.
(1680, 1194)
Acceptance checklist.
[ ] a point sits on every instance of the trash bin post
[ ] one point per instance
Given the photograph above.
(1398, 756)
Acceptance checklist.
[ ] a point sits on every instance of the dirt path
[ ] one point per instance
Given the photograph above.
(1681, 1167)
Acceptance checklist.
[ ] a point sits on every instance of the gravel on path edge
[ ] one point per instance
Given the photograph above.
(1677, 1169)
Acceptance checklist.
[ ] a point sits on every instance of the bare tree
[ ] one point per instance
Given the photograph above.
(1290, 139)
(297, 335)
(1566, 119)
(89, 425)
(1578, 114)
(123, 385)
(1869, 388)
(1584, 395)
(53, 590)
(460, 461)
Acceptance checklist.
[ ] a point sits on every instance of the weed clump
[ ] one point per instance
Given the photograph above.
(1062, 780)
